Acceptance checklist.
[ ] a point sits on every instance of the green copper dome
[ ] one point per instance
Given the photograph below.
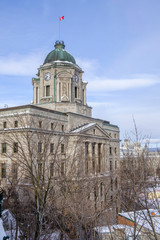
(59, 54)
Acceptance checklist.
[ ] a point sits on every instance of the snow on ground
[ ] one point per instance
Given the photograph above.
(2, 232)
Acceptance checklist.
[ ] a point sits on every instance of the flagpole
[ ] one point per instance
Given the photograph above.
(59, 29)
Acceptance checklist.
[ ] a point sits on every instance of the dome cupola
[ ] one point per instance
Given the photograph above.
(59, 54)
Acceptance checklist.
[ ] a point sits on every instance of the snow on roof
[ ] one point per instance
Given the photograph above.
(143, 219)
(9, 223)
(129, 231)
(81, 128)
(2, 232)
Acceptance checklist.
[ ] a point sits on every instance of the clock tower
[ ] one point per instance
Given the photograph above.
(59, 84)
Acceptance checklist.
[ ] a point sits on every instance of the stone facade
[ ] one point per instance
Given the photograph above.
(59, 109)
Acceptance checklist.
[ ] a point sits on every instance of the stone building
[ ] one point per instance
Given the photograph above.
(59, 108)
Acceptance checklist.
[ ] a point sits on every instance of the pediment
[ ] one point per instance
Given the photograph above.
(91, 129)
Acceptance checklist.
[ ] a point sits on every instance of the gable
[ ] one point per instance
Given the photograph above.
(92, 129)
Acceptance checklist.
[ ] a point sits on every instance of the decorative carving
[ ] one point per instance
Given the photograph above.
(64, 74)
(64, 89)
(64, 92)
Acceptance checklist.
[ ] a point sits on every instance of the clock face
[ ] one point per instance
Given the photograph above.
(76, 78)
(47, 76)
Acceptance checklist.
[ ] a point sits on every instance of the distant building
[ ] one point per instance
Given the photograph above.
(117, 232)
(147, 222)
(130, 149)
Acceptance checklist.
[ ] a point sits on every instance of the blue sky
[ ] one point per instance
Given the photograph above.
(116, 42)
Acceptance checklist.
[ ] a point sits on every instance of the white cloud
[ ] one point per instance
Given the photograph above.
(151, 140)
(100, 84)
(20, 65)
(89, 66)
(120, 84)
(27, 66)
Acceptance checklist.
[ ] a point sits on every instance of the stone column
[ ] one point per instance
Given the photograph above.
(96, 158)
(89, 157)
(103, 170)
(100, 158)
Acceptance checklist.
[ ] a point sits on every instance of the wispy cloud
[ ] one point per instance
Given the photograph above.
(27, 66)
(20, 65)
(100, 84)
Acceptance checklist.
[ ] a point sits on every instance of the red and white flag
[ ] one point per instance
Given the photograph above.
(61, 18)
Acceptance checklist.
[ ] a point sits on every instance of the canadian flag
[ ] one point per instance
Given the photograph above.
(61, 18)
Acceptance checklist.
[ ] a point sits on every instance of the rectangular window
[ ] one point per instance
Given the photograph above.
(51, 169)
(86, 157)
(47, 90)
(15, 147)
(93, 156)
(83, 96)
(116, 183)
(3, 170)
(99, 157)
(62, 148)
(110, 150)
(51, 147)
(116, 164)
(14, 171)
(111, 166)
(101, 189)
(62, 128)
(115, 150)
(36, 94)
(62, 168)
(4, 124)
(52, 126)
(39, 147)
(76, 95)
(4, 147)
(15, 124)
(111, 185)
(40, 124)
(95, 193)
(39, 169)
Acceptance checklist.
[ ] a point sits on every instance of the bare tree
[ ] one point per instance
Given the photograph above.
(48, 187)
(137, 180)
